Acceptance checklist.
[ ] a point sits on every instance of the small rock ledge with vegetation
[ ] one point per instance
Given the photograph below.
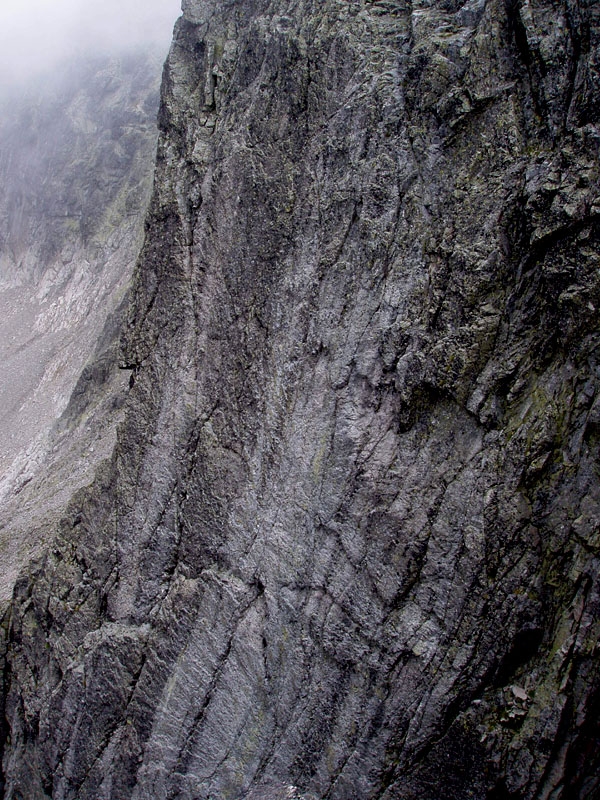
(347, 544)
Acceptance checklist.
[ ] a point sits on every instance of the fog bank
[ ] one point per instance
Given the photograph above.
(36, 34)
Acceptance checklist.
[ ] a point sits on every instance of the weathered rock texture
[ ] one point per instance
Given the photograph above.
(76, 161)
(347, 544)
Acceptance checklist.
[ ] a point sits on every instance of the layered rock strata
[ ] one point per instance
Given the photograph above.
(347, 543)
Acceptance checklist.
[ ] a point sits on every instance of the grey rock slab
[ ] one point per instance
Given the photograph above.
(350, 505)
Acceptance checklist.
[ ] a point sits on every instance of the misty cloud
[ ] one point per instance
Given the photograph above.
(36, 34)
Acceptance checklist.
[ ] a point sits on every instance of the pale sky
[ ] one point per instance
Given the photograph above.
(34, 34)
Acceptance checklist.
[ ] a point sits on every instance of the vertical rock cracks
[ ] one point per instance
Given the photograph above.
(347, 544)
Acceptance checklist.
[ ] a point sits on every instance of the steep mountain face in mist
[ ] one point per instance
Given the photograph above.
(76, 161)
(347, 543)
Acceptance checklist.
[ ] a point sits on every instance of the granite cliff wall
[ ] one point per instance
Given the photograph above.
(347, 543)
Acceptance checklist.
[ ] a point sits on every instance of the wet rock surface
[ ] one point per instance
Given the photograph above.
(346, 545)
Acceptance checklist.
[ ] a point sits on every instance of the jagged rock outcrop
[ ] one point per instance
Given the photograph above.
(77, 154)
(347, 543)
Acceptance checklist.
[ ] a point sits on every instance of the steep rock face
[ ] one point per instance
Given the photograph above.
(347, 545)
(76, 161)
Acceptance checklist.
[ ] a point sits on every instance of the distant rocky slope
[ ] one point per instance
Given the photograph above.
(77, 155)
(347, 544)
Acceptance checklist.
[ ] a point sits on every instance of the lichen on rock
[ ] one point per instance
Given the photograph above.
(347, 542)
